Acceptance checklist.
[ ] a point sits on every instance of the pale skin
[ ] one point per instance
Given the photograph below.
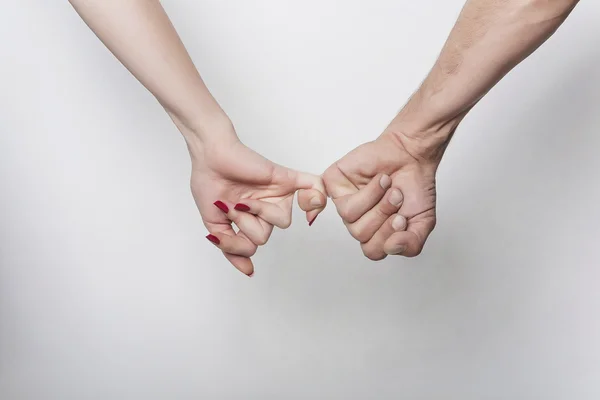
(225, 172)
(384, 190)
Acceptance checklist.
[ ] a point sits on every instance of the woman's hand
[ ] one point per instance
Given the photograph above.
(140, 35)
(232, 183)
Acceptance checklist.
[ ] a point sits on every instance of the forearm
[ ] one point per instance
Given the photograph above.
(141, 36)
(489, 39)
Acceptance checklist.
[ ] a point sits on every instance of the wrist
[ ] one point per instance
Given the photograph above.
(425, 127)
(205, 131)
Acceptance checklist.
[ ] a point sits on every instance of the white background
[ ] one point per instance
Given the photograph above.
(108, 289)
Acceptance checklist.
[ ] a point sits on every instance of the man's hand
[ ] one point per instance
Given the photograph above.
(489, 39)
(387, 216)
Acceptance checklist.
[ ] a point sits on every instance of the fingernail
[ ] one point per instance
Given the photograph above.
(251, 275)
(221, 206)
(399, 223)
(397, 250)
(241, 207)
(315, 201)
(213, 239)
(313, 220)
(385, 181)
(396, 197)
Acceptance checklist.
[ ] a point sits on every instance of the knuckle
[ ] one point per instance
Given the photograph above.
(373, 254)
(261, 240)
(433, 224)
(251, 251)
(343, 211)
(286, 222)
(417, 251)
(358, 232)
(348, 214)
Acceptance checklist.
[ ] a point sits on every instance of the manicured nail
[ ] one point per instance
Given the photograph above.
(313, 220)
(385, 181)
(396, 197)
(316, 202)
(241, 207)
(399, 223)
(221, 206)
(213, 239)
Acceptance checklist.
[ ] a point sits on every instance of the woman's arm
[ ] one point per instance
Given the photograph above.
(230, 182)
(141, 36)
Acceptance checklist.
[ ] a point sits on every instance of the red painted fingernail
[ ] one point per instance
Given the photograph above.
(221, 206)
(241, 207)
(213, 239)
(313, 220)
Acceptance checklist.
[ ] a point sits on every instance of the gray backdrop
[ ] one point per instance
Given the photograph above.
(108, 289)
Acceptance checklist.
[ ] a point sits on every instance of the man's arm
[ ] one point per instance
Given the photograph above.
(489, 39)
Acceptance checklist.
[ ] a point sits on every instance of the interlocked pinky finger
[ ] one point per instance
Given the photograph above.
(312, 202)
